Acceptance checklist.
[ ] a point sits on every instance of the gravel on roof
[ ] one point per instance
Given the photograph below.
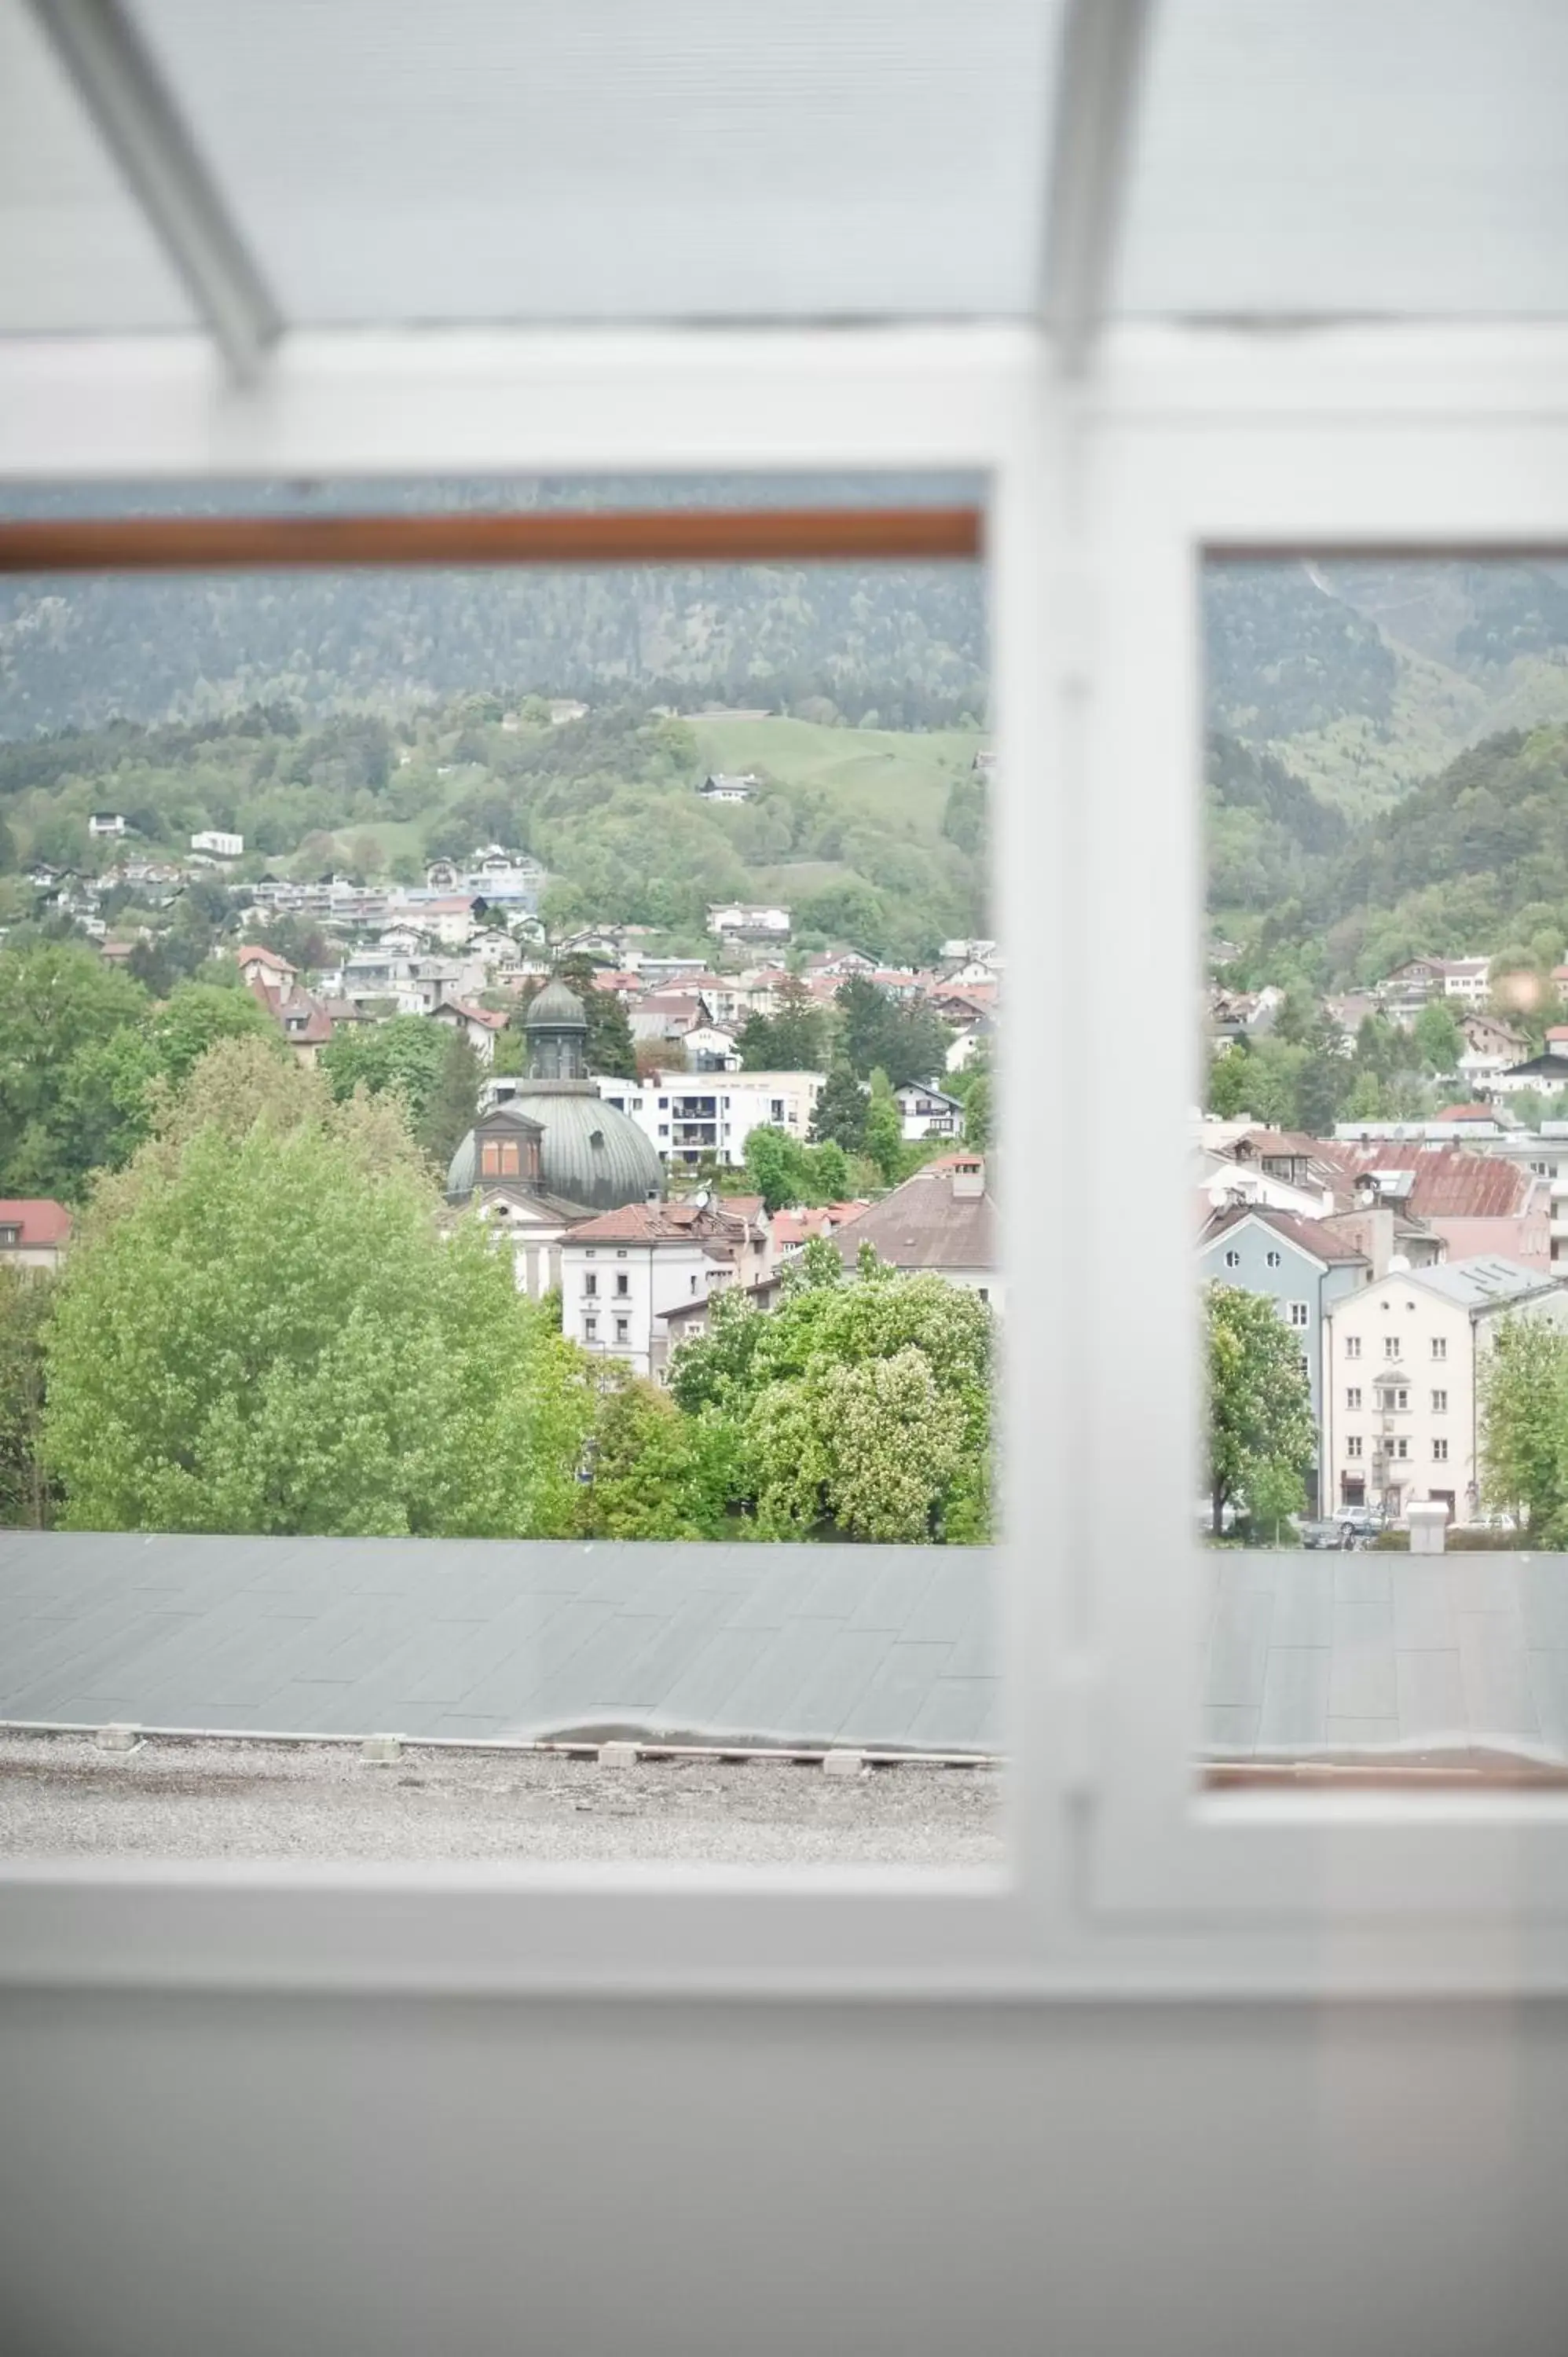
(61, 1796)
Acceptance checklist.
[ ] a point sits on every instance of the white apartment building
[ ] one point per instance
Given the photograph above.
(622, 1273)
(1400, 1358)
(748, 918)
(1467, 979)
(689, 1115)
(110, 823)
(216, 840)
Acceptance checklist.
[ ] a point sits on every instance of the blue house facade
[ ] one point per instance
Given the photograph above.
(1304, 1267)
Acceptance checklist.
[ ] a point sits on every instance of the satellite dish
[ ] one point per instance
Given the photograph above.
(702, 1198)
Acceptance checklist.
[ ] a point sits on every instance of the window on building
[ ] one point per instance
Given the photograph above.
(1439, 1346)
(590, 1329)
(1399, 1445)
(1390, 1346)
(623, 1329)
(623, 1282)
(1353, 1445)
(1439, 1402)
(590, 1282)
(1440, 1450)
(1273, 1259)
(1232, 1259)
(1353, 1395)
(1300, 1313)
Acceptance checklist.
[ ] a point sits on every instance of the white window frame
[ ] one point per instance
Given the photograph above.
(1420, 440)
(1124, 1875)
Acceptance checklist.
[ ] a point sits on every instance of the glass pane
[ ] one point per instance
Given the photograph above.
(1383, 1163)
(75, 251)
(1322, 156)
(711, 158)
(496, 1234)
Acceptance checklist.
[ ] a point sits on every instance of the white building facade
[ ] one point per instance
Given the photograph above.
(689, 1117)
(1401, 1420)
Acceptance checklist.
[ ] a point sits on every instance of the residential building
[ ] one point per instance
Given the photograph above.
(711, 1048)
(257, 963)
(974, 1039)
(1305, 1268)
(34, 1232)
(748, 919)
(690, 1119)
(218, 842)
(1400, 1363)
(1545, 1075)
(941, 1222)
(477, 1025)
(669, 1015)
(623, 1273)
(106, 823)
(720, 787)
(1468, 978)
(927, 1111)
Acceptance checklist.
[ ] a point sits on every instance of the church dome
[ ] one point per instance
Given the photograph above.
(591, 1152)
(555, 1008)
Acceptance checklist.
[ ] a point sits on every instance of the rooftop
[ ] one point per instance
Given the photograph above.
(42, 1220)
(926, 1224)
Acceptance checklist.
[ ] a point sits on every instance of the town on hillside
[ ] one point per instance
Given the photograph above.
(1400, 1216)
(658, 1146)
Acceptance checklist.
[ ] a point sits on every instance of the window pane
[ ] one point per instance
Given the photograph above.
(505, 1057)
(1383, 1160)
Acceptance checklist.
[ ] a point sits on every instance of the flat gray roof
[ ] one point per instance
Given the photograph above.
(1333, 1651)
(485, 1639)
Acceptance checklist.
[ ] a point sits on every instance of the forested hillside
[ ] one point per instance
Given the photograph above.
(868, 832)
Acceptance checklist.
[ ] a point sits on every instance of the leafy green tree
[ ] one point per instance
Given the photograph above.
(1227, 1092)
(56, 998)
(793, 1039)
(652, 1473)
(268, 1334)
(1260, 1435)
(450, 1108)
(885, 1130)
(840, 1111)
(402, 1057)
(27, 1495)
(1438, 1039)
(977, 1114)
(779, 1169)
(908, 1043)
(859, 1408)
(1365, 1101)
(1523, 1399)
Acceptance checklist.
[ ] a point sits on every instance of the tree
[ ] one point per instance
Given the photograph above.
(859, 1408)
(792, 1040)
(56, 998)
(1438, 1039)
(977, 1114)
(403, 1057)
(885, 1130)
(1523, 1401)
(777, 1167)
(269, 1335)
(840, 1111)
(1227, 1092)
(1261, 1436)
(27, 1495)
(651, 1472)
(450, 1108)
(877, 1030)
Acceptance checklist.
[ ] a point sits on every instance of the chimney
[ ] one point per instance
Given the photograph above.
(968, 1181)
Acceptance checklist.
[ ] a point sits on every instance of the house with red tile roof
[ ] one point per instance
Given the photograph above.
(622, 1273)
(477, 1025)
(34, 1232)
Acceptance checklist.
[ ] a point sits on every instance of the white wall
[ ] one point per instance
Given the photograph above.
(188, 2175)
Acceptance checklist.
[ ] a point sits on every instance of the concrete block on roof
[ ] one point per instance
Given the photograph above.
(381, 1750)
(617, 1755)
(842, 1762)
